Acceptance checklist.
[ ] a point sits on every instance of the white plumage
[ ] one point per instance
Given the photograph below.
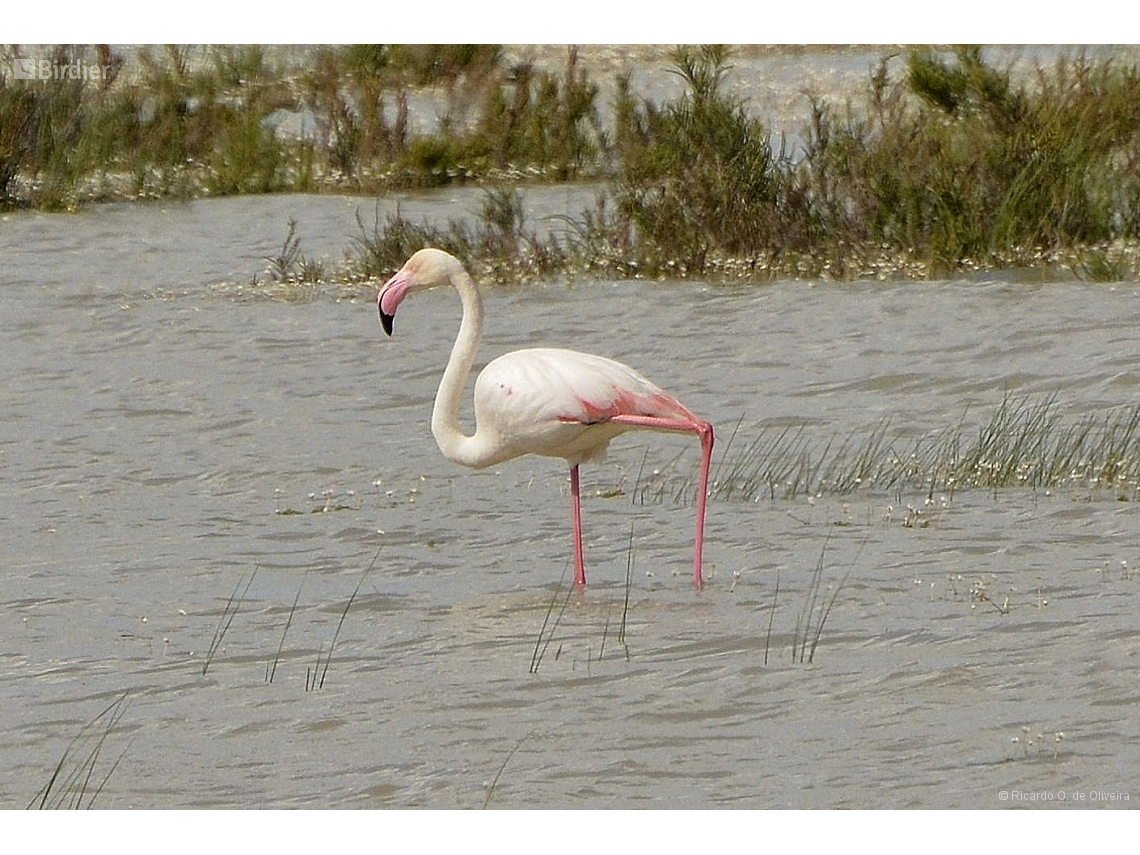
(546, 401)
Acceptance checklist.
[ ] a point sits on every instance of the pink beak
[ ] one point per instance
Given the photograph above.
(390, 297)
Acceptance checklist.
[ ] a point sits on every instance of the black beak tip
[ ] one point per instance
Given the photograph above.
(386, 322)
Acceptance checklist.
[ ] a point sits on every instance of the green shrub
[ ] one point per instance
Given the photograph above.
(697, 175)
(957, 163)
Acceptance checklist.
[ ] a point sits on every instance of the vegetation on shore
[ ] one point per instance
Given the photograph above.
(944, 164)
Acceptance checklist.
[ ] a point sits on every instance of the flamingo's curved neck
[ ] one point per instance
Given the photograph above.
(456, 446)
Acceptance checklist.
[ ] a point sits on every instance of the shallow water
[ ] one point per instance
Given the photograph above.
(166, 434)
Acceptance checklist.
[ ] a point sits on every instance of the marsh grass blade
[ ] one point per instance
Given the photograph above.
(637, 491)
(271, 668)
(499, 774)
(340, 624)
(805, 643)
(824, 615)
(799, 642)
(283, 266)
(628, 588)
(772, 617)
(831, 602)
(544, 638)
(311, 671)
(228, 614)
(68, 787)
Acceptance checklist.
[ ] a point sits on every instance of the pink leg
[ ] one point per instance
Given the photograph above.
(576, 509)
(705, 431)
(706, 434)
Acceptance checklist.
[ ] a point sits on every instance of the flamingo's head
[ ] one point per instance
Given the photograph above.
(426, 269)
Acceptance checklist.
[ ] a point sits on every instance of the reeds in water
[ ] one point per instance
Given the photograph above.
(561, 601)
(545, 635)
(804, 643)
(315, 677)
(73, 784)
(271, 667)
(233, 604)
(1025, 443)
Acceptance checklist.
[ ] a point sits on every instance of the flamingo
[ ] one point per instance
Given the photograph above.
(544, 401)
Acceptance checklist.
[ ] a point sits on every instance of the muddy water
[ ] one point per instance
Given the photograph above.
(184, 460)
